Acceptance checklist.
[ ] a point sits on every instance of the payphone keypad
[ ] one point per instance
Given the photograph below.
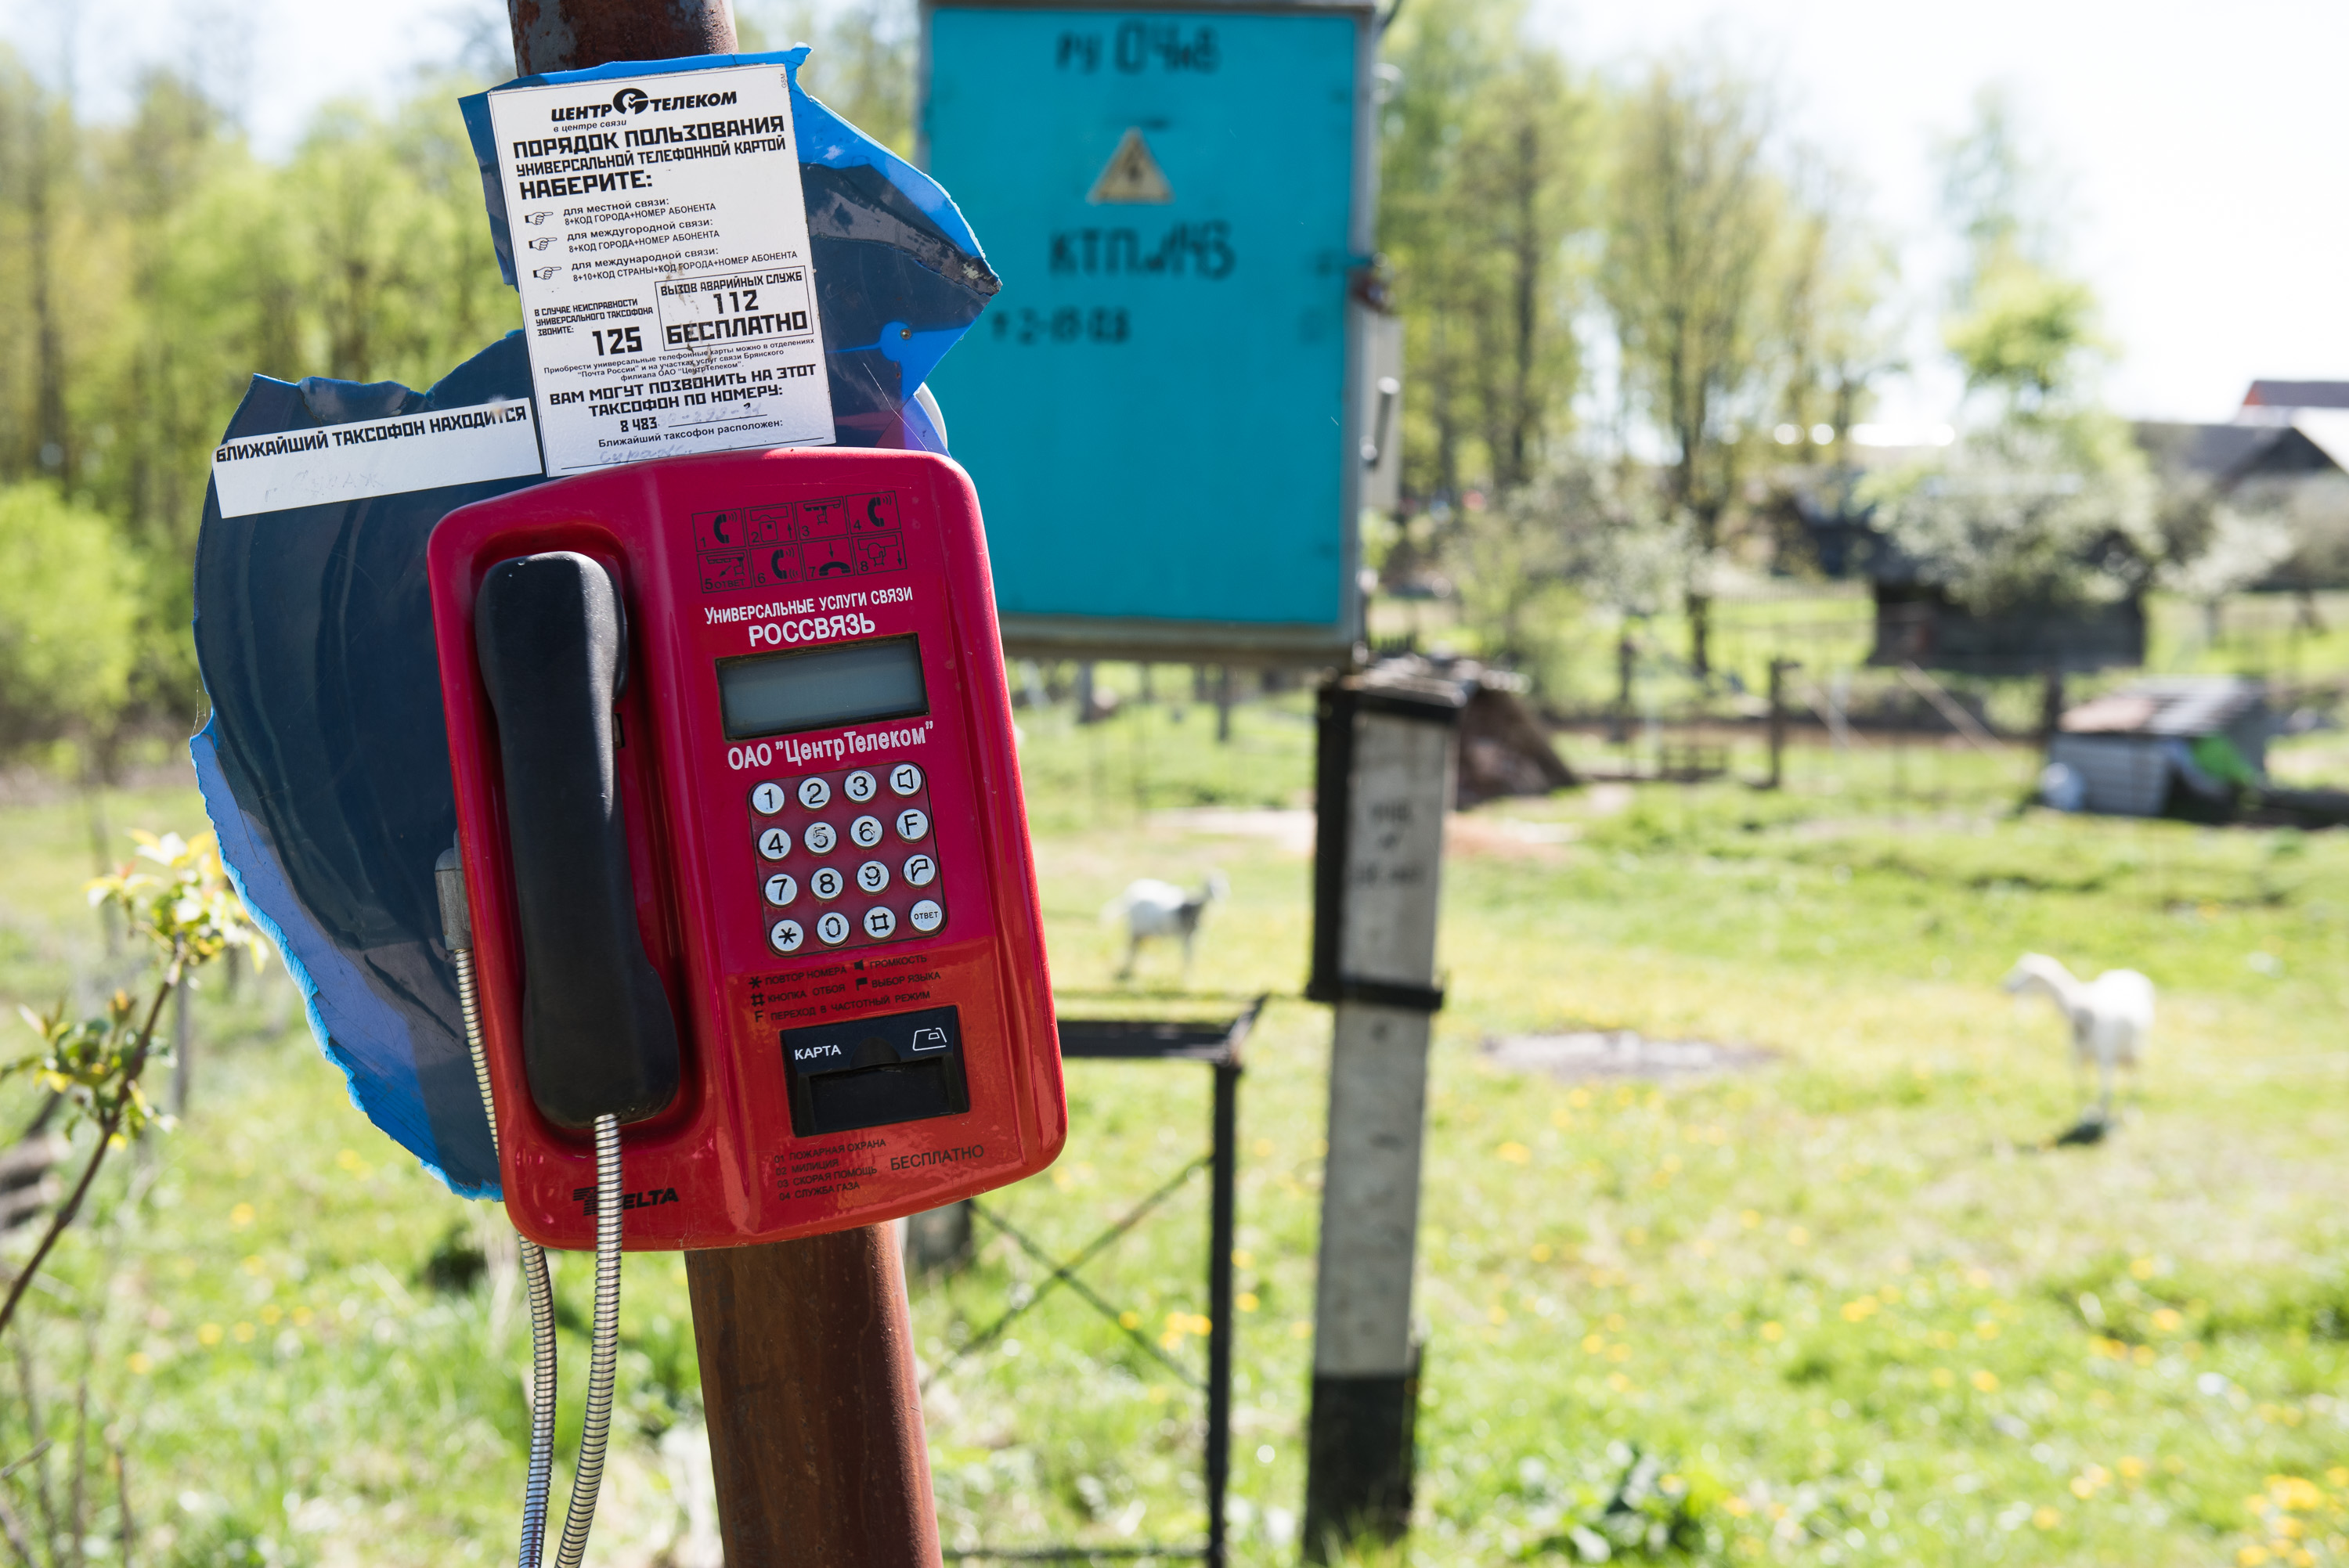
(846, 859)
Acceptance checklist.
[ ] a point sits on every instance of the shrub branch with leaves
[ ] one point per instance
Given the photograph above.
(180, 899)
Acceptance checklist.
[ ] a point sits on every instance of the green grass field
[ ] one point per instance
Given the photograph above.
(1848, 1307)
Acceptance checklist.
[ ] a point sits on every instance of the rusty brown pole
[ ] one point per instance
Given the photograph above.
(572, 35)
(806, 1347)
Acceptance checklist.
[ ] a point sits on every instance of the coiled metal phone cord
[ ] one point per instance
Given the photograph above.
(588, 1475)
(540, 1288)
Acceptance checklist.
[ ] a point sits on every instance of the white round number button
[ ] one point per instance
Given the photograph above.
(767, 798)
(880, 921)
(833, 927)
(774, 843)
(786, 936)
(865, 830)
(814, 793)
(927, 917)
(913, 822)
(904, 779)
(859, 785)
(824, 882)
(872, 876)
(781, 889)
(920, 869)
(819, 838)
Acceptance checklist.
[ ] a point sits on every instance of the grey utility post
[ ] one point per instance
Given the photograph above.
(1384, 782)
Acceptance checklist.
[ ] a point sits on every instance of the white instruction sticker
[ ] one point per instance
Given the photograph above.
(661, 238)
(374, 457)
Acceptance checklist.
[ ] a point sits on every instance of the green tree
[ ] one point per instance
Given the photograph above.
(1696, 221)
(1486, 156)
(70, 606)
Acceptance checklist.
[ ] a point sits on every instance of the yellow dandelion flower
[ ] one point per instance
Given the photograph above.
(1541, 1253)
(2045, 1518)
(2252, 1556)
(241, 1216)
(2168, 1320)
(1619, 1352)
(1736, 1507)
(272, 1313)
(2337, 1476)
(1561, 1118)
(244, 1332)
(1944, 1378)
(1246, 1301)
(139, 1362)
(1859, 1310)
(2131, 1466)
(301, 1317)
(2082, 1487)
(1579, 1098)
(1592, 1344)
(1129, 1319)
(1515, 1153)
(2142, 1356)
(1749, 1217)
(1889, 1295)
(1242, 1258)
(2141, 1268)
(1300, 1329)
(1774, 1331)
(1798, 1235)
(1986, 1329)
(1984, 1380)
(210, 1333)
(1155, 1395)
(1617, 1381)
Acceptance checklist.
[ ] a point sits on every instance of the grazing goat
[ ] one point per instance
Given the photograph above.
(2111, 1016)
(1152, 908)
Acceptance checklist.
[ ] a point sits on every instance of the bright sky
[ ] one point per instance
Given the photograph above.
(2205, 207)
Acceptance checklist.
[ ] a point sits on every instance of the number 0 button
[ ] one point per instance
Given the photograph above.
(814, 793)
(781, 890)
(824, 882)
(786, 936)
(833, 927)
(926, 916)
(904, 779)
(913, 822)
(774, 843)
(920, 869)
(767, 798)
(880, 921)
(859, 785)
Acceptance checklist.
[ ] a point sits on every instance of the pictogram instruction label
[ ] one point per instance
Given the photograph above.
(661, 242)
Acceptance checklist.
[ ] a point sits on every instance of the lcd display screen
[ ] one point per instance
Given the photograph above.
(859, 683)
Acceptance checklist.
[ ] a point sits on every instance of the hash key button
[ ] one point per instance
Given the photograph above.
(880, 921)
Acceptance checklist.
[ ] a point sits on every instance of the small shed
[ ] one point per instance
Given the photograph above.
(2177, 745)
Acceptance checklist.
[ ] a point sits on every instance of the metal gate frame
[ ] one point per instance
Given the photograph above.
(1139, 1039)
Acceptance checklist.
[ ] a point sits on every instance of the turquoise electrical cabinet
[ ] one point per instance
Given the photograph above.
(1161, 409)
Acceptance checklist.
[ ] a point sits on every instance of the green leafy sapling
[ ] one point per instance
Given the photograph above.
(180, 901)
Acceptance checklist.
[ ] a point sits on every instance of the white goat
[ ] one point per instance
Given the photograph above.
(2111, 1016)
(1152, 908)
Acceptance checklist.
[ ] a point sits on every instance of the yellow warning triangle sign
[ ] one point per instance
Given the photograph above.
(1132, 176)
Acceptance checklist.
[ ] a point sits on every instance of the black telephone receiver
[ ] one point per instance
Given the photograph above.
(598, 1035)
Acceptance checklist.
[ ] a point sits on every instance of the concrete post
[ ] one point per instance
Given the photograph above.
(1384, 780)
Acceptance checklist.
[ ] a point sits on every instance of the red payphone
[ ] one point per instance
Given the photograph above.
(741, 828)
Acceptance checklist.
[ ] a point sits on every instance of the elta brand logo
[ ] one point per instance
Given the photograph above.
(585, 1198)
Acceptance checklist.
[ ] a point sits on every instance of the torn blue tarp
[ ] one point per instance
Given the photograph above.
(325, 764)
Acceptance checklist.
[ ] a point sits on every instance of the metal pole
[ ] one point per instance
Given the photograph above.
(1778, 668)
(1221, 1239)
(806, 1347)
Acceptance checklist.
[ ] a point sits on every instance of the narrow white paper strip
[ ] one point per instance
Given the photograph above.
(375, 456)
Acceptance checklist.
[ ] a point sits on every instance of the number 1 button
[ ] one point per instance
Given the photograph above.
(766, 799)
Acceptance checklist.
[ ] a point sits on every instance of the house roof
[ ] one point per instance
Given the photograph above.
(2182, 705)
(2297, 395)
(2309, 441)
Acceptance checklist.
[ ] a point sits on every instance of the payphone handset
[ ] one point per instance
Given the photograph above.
(740, 815)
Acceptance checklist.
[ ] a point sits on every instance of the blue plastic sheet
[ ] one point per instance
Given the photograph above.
(325, 764)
